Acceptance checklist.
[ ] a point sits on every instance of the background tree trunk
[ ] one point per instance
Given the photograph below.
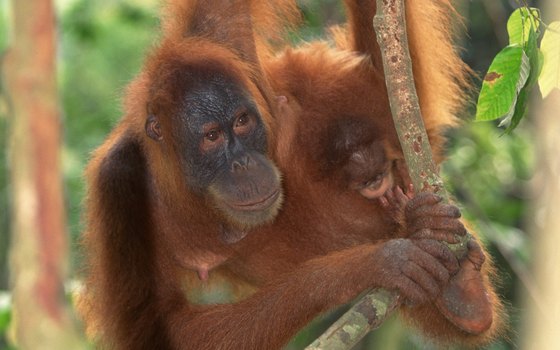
(542, 328)
(38, 252)
(543, 324)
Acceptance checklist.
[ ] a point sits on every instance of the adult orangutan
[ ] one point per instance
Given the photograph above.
(186, 192)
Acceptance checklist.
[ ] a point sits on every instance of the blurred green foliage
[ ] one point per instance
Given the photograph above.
(4, 188)
(102, 45)
(5, 310)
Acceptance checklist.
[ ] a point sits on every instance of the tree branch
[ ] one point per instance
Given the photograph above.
(390, 28)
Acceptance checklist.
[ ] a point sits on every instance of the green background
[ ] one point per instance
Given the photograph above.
(101, 47)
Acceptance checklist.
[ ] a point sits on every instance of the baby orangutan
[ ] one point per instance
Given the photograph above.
(464, 301)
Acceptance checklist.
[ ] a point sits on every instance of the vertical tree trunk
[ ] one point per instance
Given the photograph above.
(541, 331)
(39, 249)
(543, 324)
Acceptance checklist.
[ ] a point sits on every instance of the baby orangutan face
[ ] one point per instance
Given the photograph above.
(369, 171)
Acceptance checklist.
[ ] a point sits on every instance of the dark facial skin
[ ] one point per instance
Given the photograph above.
(368, 171)
(221, 140)
(354, 148)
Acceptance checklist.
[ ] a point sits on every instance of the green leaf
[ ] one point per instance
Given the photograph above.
(521, 110)
(535, 58)
(520, 23)
(549, 79)
(506, 76)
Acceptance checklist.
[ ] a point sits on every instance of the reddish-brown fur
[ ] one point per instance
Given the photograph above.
(149, 236)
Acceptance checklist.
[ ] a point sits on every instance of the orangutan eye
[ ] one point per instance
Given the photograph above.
(374, 183)
(212, 135)
(242, 120)
(244, 123)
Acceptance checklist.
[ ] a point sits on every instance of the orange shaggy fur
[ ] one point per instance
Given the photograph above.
(147, 232)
